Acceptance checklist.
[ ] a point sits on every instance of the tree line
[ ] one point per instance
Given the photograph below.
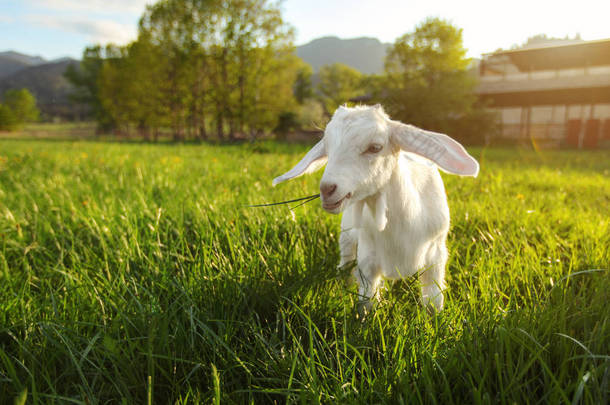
(218, 69)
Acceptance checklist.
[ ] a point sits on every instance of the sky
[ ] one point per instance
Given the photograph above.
(59, 28)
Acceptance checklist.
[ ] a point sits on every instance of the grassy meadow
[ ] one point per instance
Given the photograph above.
(132, 273)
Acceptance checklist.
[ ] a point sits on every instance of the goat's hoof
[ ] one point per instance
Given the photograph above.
(434, 306)
(433, 301)
(365, 307)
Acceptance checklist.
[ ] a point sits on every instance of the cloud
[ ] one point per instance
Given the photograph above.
(134, 7)
(99, 21)
(95, 30)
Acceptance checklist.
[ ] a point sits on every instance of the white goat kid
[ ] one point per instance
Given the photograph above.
(395, 213)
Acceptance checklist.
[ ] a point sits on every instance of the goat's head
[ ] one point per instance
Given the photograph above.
(361, 148)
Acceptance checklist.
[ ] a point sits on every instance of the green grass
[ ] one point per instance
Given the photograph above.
(53, 131)
(130, 273)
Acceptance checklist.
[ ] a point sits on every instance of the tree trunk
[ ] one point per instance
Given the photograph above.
(143, 131)
(231, 129)
(203, 135)
(225, 102)
(219, 127)
(242, 92)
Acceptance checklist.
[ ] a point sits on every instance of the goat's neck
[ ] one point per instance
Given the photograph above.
(390, 201)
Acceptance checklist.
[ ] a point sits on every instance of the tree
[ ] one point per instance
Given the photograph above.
(170, 27)
(115, 89)
(23, 105)
(85, 81)
(195, 64)
(8, 121)
(338, 84)
(303, 88)
(19, 107)
(311, 115)
(130, 82)
(256, 65)
(427, 80)
(227, 60)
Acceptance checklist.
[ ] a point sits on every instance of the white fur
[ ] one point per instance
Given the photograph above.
(395, 213)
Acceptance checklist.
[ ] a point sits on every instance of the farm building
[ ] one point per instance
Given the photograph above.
(554, 95)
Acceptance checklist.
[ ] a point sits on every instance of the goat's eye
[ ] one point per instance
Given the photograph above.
(374, 148)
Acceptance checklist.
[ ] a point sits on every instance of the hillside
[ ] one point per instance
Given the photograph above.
(46, 82)
(11, 62)
(364, 54)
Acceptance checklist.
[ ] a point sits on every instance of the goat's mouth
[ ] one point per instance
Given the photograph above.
(336, 206)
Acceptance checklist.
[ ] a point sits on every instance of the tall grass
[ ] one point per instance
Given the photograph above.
(132, 274)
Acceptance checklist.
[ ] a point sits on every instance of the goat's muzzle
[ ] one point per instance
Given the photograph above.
(337, 206)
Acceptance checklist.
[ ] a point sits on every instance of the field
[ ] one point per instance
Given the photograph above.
(55, 131)
(132, 273)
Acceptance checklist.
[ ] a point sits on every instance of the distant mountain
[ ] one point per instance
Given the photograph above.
(46, 82)
(11, 62)
(364, 54)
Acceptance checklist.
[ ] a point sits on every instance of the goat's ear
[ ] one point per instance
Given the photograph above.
(448, 154)
(312, 161)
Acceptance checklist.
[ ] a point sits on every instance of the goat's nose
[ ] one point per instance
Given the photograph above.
(327, 189)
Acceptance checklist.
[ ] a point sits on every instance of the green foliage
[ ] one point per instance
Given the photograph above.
(288, 121)
(132, 273)
(85, 80)
(229, 67)
(131, 87)
(230, 61)
(23, 105)
(311, 115)
(338, 84)
(18, 107)
(8, 122)
(428, 83)
(303, 88)
(195, 65)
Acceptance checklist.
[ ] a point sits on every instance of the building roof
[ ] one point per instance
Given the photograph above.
(547, 84)
(555, 90)
(561, 56)
(518, 98)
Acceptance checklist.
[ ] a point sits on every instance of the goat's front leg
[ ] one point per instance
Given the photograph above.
(432, 278)
(368, 277)
(348, 246)
(348, 239)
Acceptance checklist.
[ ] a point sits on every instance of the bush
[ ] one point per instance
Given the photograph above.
(18, 108)
(8, 121)
(311, 115)
(287, 122)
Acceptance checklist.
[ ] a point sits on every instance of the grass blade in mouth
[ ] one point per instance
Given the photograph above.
(313, 197)
(308, 199)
